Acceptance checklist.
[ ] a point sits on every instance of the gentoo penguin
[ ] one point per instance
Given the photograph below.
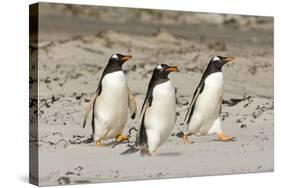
(158, 113)
(203, 116)
(111, 101)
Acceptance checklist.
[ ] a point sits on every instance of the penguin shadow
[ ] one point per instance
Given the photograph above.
(111, 144)
(234, 139)
(169, 154)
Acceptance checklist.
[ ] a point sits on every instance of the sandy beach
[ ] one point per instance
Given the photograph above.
(73, 50)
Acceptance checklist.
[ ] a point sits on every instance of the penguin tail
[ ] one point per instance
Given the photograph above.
(88, 108)
(131, 150)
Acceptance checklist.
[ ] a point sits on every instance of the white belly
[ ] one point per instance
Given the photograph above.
(160, 117)
(111, 107)
(208, 105)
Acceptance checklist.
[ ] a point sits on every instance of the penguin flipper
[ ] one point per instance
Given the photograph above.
(132, 104)
(89, 107)
(142, 136)
(197, 92)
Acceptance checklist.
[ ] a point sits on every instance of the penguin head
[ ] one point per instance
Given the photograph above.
(163, 70)
(118, 59)
(218, 62)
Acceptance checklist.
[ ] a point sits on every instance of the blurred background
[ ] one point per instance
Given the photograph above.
(141, 20)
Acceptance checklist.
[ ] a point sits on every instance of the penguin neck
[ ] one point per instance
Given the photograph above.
(155, 80)
(210, 70)
(158, 80)
(112, 67)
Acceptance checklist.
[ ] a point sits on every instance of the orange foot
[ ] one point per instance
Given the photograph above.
(121, 138)
(185, 139)
(224, 138)
(153, 154)
(99, 144)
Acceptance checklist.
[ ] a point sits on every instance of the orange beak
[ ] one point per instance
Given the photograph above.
(171, 69)
(228, 59)
(126, 57)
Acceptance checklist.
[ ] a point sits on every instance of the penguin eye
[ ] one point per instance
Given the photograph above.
(160, 68)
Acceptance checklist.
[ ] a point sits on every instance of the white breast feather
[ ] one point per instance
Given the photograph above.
(207, 106)
(160, 117)
(111, 107)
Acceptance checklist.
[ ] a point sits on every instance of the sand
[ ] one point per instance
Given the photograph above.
(72, 54)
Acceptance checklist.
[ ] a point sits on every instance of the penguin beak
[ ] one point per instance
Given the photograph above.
(125, 58)
(171, 69)
(228, 59)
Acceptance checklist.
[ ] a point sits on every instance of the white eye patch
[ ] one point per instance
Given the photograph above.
(159, 67)
(114, 56)
(216, 58)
